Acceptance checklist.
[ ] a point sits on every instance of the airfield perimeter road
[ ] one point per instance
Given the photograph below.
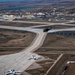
(19, 61)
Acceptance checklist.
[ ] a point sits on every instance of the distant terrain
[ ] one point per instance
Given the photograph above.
(27, 4)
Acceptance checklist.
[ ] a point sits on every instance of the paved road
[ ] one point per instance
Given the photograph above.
(19, 61)
(43, 23)
(57, 30)
(58, 52)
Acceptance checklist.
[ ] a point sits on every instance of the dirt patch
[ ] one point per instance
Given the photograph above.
(70, 70)
(12, 41)
(45, 65)
(40, 71)
(55, 40)
(72, 23)
(51, 56)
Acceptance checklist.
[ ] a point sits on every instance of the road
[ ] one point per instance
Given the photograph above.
(19, 61)
(41, 24)
(58, 30)
(57, 52)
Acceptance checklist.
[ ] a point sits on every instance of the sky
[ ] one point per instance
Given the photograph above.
(9, 0)
(17, 0)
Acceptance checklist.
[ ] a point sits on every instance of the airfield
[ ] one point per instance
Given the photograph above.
(52, 49)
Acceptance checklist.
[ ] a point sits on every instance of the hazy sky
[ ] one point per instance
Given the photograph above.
(10, 0)
(17, 0)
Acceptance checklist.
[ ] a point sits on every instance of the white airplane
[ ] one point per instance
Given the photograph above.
(34, 57)
(11, 72)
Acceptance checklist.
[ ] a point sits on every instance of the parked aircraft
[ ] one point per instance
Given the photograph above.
(34, 57)
(11, 72)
